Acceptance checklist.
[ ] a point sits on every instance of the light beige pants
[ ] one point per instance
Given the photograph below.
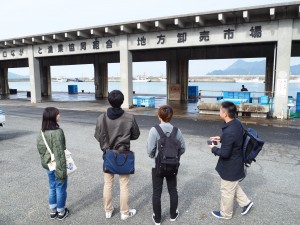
(231, 190)
(107, 192)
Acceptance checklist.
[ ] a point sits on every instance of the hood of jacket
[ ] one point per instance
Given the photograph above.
(114, 113)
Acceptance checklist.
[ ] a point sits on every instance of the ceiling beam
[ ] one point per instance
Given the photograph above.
(142, 27)
(200, 20)
(160, 25)
(221, 18)
(109, 30)
(272, 13)
(58, 37)
(36, 40)
(246, 16)
(96, 33)
(82, 34)
(47, 39)
(70, 36)
(179, 23)
(125, 29)
(26, 41)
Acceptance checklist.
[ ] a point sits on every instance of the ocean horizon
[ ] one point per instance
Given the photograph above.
(160, 88)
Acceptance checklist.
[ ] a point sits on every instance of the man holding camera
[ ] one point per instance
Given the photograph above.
(230, 165)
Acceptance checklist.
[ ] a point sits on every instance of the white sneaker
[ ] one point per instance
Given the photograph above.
(131, 213)
(109, 214)
(177, 212)
(153, 215)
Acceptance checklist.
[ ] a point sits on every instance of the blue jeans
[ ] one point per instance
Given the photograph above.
(57, 192)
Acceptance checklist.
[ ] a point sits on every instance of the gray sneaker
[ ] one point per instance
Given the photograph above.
(131, 213)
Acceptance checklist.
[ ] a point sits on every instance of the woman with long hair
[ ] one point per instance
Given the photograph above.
(55, 138)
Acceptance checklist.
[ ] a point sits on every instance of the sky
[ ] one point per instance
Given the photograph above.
(19, 18)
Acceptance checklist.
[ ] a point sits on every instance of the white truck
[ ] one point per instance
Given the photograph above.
(2, 118)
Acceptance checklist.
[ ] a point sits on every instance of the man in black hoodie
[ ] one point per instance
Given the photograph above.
(122, 128)
(230, 165)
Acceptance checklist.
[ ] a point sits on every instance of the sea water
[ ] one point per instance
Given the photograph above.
(160, 88)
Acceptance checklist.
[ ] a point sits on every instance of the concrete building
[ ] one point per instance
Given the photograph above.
(270, 31)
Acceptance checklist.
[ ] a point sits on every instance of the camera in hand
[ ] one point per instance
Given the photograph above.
(209, 142)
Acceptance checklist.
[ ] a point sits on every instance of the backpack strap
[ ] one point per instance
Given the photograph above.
(174, 132)
(162, 134)
(160, 131)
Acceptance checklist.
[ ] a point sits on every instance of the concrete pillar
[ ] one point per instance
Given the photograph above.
(100, 78)
(35, 78)
(177, 78)
(126, 72)
(4, 87)
(183, 65)
(284, 46)
(269, 74)
(45, 80)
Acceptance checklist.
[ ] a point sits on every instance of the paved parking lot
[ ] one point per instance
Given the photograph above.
(273, 183)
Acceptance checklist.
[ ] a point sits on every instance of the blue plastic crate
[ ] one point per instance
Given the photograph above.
(137, 101)
(146, 101)
(263, 100)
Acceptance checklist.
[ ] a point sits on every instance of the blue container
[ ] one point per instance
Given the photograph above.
(192, 91)
(137, 101)
(72, 89)
(146, 101)
(219, 98)
(263, 100)
(298, 103)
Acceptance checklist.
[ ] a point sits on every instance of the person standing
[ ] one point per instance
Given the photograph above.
(122, 127)
(230, 165)
(165, 114)
(58, 179)
(243, 88)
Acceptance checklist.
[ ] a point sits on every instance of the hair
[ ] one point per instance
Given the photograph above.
(165, 112)
(230, 108)
(116, 98)
(49, 119)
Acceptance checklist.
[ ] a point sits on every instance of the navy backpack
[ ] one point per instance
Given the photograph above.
(252, 145)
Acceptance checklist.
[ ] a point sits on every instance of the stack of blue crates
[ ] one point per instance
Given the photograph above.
(298, 103)
(146, 101)
(263, 100)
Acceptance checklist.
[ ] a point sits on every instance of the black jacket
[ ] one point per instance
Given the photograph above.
(230, 165)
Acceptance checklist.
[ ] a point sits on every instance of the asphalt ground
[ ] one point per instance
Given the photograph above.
(272, 183)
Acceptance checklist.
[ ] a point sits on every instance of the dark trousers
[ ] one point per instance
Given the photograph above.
(157, 183)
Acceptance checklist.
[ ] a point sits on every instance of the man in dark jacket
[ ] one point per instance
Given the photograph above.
(230, 165)
(122, 128)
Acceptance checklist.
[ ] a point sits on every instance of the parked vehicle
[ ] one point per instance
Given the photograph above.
(2, 118)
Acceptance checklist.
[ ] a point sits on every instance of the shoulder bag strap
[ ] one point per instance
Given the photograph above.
(47, 146)
(106, 130)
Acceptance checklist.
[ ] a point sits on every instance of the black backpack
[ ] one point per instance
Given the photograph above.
(252, 145)
(167, 160)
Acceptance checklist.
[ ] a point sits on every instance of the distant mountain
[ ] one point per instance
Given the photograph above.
(241, 67)
(17, 76)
